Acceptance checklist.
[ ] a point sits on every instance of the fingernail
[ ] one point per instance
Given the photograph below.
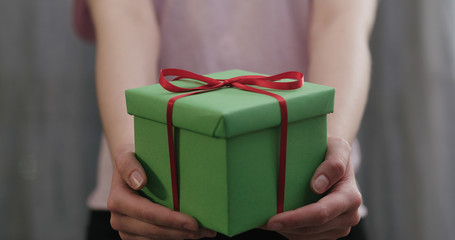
(136, 179)
(320, 184)
(276, 226)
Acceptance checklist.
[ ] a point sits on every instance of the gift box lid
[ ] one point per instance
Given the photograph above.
(228, 112)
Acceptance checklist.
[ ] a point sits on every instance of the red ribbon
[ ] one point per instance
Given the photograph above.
(240, 82)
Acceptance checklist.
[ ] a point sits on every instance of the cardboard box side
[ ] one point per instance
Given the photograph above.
(253, 183)
(203, 179)
(306, 148)
(151, 151)
(252, 161)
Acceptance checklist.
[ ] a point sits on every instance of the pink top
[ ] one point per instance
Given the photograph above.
(205, 36)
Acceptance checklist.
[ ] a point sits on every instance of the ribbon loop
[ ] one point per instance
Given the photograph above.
(241, 82)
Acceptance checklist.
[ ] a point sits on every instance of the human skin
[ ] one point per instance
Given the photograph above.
(127, 53)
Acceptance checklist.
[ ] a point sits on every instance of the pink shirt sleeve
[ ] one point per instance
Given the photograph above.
(82, 21)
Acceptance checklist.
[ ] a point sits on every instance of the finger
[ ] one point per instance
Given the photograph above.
(344, 221)
(332, 234)
(128, 236)
(344, 198)
(125, 201)
(133, 226)
(333, 167)
(129, 168)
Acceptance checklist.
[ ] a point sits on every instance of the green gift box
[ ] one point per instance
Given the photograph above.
(227, 149)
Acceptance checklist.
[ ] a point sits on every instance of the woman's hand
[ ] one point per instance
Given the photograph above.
(136, 217)
(333, 215)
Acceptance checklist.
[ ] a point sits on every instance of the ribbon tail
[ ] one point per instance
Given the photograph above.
(172, 161)
(283, 148)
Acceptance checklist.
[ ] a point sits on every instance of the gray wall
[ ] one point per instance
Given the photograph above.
(49, 125)
(408, 134)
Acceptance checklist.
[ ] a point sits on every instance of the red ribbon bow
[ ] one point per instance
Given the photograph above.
(240, 82)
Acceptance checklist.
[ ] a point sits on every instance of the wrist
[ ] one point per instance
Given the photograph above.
(120, 150)
(340, 139)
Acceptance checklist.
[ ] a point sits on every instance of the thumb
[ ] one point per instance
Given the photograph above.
(334, 167)
(129, 168)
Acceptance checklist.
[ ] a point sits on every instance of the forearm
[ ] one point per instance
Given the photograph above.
(340, 57)
(346, 69)
(126, 57)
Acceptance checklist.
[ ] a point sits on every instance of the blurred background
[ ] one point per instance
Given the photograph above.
(50, 129)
